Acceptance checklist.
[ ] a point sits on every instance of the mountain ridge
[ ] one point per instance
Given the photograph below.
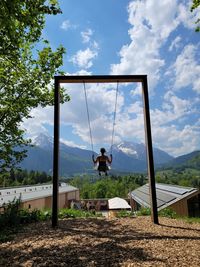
(127, 157)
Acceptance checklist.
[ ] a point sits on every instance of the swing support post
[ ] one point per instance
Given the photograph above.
(103, 79)
(149, 148)
(56, 155)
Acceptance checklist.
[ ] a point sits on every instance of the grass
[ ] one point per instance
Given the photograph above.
(190, 219)
(124, 214)
(72, 213)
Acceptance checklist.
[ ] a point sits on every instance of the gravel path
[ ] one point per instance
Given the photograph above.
(103, 242)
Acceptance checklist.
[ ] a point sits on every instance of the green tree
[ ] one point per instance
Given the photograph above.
(25, 75)
(196, 4)
(100, 189)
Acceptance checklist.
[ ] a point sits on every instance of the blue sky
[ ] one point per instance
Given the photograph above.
(150, 37)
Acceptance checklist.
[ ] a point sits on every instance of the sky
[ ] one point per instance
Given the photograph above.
(115, 37)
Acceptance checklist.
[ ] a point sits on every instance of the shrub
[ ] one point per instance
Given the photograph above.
(13, 215)
(124, 213)
(27, 216)
(10, 217)
(144, 212)
(72, 213)
(45, 215)
(167, 212)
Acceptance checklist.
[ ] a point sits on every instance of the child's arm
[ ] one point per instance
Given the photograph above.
(109, 160)
(94, 160)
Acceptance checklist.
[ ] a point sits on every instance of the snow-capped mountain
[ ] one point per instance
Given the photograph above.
(138, 151)
(127, 157)
(72, 159)
(43, 140)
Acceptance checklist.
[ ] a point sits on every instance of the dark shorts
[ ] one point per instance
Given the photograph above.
(103, 168)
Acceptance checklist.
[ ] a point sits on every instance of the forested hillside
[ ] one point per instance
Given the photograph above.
(191, 160)
(23, 177)
(183, 170)
(107, 187)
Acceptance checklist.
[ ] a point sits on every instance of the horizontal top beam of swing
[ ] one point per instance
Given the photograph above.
(100, 78)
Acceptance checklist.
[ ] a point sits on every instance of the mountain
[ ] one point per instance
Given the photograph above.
(73, 160)
(191, 160)
(127, 157)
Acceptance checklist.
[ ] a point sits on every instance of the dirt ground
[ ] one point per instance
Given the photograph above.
(105, 242)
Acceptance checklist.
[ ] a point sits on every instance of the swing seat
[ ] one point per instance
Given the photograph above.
(103, 168)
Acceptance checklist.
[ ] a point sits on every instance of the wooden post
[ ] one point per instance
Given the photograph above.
(56, 154)
(151, 174)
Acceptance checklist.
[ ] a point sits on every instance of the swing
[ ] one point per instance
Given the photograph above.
(102, 164)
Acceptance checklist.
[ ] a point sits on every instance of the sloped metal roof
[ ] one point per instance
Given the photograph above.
(31, 192)
(118, 203)
(166, 194)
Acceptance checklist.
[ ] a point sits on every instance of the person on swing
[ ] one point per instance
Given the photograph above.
(102, 161)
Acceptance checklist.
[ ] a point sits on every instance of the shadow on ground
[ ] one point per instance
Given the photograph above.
(80, 242)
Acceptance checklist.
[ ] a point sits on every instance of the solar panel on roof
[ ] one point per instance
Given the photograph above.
(160, 195)
(164, 197)
(144, 197)
(174, 189)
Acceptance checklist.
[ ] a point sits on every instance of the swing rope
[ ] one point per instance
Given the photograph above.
(114, 117)
(88, 117)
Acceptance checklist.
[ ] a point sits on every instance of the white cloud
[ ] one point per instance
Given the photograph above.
(187, 69)
(177, 141)
(95, 45)
(151, 22)
(40, 117)
(101, 98)
(187, 17)
(173, 109)
(86, 35)
(71, 143)
(167, 133)
(83, 58)
(175, 44)
(66, 25)
(159, 17)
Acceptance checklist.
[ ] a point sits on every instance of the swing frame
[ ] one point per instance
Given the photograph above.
(147, 127)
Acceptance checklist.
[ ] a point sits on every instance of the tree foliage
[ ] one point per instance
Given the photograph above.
(120, 186)
(23, 177)
(196, 4)
(25, 75)
(107, 187)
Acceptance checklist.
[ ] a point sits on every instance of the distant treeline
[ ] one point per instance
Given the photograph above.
(179, 176)
(107, 187)
(23, 177)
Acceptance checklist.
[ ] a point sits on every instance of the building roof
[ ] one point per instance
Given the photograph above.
(118, 203)
(166, 194)
(31, 192)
